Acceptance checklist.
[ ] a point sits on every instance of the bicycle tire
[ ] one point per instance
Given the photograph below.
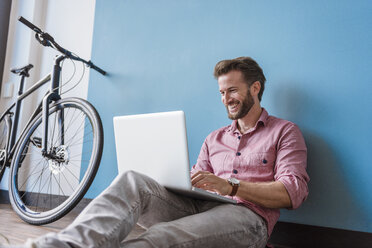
(4, 132)
(59, 197)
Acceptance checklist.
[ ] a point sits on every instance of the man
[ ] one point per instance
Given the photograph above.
(259, 160)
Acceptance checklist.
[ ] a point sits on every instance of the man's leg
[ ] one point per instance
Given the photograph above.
(224, 226)
(109, 218)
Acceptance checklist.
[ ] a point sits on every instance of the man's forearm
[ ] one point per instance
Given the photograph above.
(266, 194)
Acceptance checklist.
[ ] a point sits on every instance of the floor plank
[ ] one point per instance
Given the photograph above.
(17, 231)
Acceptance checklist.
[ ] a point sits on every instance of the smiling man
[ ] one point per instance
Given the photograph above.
(259, 160)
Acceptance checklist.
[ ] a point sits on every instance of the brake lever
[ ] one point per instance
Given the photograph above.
(42, 40)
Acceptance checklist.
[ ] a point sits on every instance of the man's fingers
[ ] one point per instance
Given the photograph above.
(200, 173)
(203, 185)
(197, 179)
(199, 176)
(203, 181)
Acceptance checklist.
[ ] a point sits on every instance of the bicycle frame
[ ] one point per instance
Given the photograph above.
(51, 95)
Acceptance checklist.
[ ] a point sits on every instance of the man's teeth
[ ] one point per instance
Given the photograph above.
(232, 107)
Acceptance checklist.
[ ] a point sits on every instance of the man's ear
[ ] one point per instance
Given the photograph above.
(255, 88)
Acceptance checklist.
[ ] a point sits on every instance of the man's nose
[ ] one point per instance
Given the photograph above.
(226, 98)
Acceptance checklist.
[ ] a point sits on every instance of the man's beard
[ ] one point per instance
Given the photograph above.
(246, 105)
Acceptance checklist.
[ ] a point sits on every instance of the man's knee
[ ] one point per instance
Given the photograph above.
(136, 181)
(132, 175)
(130, 178)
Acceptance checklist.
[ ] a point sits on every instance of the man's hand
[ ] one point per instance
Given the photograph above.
(266, 194)
(208, 181)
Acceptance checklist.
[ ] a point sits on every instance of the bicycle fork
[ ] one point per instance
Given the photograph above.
(45, 120)
(53, 96)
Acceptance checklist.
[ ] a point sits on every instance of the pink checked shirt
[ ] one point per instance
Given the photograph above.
(274, 150)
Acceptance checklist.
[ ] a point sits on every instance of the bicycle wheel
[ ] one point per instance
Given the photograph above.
(43, 189)
(4, 133)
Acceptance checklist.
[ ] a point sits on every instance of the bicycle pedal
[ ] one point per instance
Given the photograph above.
(36, 141)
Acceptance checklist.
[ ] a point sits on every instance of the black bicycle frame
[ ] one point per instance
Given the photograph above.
(51, 95)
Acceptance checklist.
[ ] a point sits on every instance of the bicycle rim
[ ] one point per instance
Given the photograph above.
(42, 189)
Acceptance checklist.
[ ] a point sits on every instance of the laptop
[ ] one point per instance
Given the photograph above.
(156, 145)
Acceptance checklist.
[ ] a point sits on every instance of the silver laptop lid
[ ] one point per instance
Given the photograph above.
(155, 145)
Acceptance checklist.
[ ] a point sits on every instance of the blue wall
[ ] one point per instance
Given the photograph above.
(316, 56)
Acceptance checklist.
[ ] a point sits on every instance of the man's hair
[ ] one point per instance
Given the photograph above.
(251, 71)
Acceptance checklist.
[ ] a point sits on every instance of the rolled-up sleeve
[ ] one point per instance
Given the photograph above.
(290, 166)
(203, 163)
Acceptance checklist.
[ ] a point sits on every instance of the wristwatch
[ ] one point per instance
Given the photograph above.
(235, 183)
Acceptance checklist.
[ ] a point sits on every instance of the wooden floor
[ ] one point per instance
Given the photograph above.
(16, 231)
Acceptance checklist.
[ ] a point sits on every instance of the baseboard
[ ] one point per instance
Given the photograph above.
(298, 235)
(4, 197)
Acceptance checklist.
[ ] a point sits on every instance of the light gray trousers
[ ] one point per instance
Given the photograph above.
(171, 220)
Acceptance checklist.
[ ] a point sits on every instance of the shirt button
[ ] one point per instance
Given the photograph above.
(235, 171)
(238, 154)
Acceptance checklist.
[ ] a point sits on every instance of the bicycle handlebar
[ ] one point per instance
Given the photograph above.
(30, 25)
(47, 40)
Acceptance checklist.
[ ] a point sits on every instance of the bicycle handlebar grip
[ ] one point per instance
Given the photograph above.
(91, 65)
(30, 25)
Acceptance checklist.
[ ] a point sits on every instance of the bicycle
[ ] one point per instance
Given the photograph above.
(54, 159)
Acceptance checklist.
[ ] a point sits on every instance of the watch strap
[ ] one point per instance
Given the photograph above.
(234, 189)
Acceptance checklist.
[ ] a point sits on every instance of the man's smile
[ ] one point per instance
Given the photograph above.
(233, 107)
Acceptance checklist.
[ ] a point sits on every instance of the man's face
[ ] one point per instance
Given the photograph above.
(235, 94)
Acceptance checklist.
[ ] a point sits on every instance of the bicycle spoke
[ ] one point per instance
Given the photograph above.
(42, 171)
(72, 120)
(79, 155)
(69, 142)
(72, 174)
(37, 198)
(68, 182)
(51, 192)
(82, 138)
(59, 134)
(59, 186)
(79, 129)
(34, 183)
(29, 178)
(82, 143)
(59, 191)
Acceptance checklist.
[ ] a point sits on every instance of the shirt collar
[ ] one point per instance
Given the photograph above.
(263, 117)
(262, 120)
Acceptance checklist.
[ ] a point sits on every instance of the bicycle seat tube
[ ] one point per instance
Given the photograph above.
(8, 122)
(52, 96)
(18, 105)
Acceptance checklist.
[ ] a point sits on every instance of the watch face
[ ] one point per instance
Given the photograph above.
(234, 180)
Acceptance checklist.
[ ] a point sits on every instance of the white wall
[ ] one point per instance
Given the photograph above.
(70, 23)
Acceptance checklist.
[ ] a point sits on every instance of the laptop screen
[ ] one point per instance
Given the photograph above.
(155, 145)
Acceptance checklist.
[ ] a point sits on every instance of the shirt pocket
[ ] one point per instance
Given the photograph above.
(258, 167)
